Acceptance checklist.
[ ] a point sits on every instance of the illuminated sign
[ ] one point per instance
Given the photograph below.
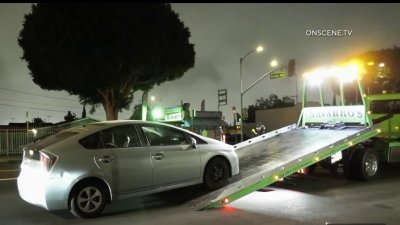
(277, 75)
(345, 114)
(174, 114)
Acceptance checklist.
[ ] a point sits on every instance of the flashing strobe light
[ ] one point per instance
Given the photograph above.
(349, 73)
(345, 74)
(225, 201)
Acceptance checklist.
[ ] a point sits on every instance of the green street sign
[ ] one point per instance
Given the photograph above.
(277, 75)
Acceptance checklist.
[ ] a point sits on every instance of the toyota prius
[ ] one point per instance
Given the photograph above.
(83, 169)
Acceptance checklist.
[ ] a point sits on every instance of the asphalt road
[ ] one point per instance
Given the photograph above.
(9, 171)
(311, 200)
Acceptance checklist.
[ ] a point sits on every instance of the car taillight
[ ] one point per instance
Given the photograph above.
(47, 160)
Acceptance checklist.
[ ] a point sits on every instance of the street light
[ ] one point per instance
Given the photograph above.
(258, 49)
(274, 63)
(250, 87)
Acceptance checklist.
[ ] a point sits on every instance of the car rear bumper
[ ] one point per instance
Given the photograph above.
(31, 187)
(37, 188)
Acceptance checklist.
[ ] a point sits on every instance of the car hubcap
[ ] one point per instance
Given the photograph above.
(89, 199)
(371, 164)
(217, 173)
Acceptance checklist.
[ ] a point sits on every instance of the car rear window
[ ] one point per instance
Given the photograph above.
(54, 138)
(92, 141)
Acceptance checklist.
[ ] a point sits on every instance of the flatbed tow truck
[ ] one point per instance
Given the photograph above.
(357, 136)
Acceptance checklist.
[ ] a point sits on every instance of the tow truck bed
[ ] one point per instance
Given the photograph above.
(268, 158)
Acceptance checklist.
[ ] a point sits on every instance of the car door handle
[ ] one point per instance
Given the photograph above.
(158, 156)
(106, 159)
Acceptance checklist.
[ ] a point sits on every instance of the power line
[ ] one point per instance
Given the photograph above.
(44, 96)
(39, 103)
(37, 94)
(24, 107)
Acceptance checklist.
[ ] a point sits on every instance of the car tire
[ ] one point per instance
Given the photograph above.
(365, 164)
(216, 174)
(88, 200)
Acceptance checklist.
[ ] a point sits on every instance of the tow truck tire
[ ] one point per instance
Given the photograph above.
(365, 164)
(216, 173)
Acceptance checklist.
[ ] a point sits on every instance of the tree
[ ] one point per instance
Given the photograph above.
(70, 117)
(38, 121)
(105, 52)
(262, 103)
(377, 78)
(84, 112)
(268, 103)
(382, 78)
(137, 113)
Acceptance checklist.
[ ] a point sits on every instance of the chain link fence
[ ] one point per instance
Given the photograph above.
(12, 138)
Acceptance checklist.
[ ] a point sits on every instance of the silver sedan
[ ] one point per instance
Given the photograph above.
(83, 169)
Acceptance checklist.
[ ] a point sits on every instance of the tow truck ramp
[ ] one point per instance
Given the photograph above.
(266, 159)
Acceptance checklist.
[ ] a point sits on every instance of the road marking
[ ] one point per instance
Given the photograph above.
(6, 179)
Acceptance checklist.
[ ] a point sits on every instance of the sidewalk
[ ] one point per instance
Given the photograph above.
(10, 159)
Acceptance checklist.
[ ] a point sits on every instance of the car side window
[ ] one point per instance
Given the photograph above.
(117, 137)
(92, 141)
(158, 135)
(120, 137)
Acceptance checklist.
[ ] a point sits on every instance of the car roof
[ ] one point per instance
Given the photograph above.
(111, 123)
(121, 122)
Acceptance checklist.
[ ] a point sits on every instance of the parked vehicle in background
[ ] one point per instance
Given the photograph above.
(82, 169)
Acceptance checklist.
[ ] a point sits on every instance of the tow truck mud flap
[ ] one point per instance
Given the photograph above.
(279, 156)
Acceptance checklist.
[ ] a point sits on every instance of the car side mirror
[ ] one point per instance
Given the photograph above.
(193, 142)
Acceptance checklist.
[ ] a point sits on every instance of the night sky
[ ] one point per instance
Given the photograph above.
(222, 34)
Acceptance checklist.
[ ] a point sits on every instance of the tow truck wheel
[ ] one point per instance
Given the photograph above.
(365, 164)
(216, 174)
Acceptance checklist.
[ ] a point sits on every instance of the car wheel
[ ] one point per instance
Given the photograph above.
(365, 164)
(216, 174)
(88, 200)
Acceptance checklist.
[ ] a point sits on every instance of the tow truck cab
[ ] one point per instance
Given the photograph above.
(384, 109)
(362, 160)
